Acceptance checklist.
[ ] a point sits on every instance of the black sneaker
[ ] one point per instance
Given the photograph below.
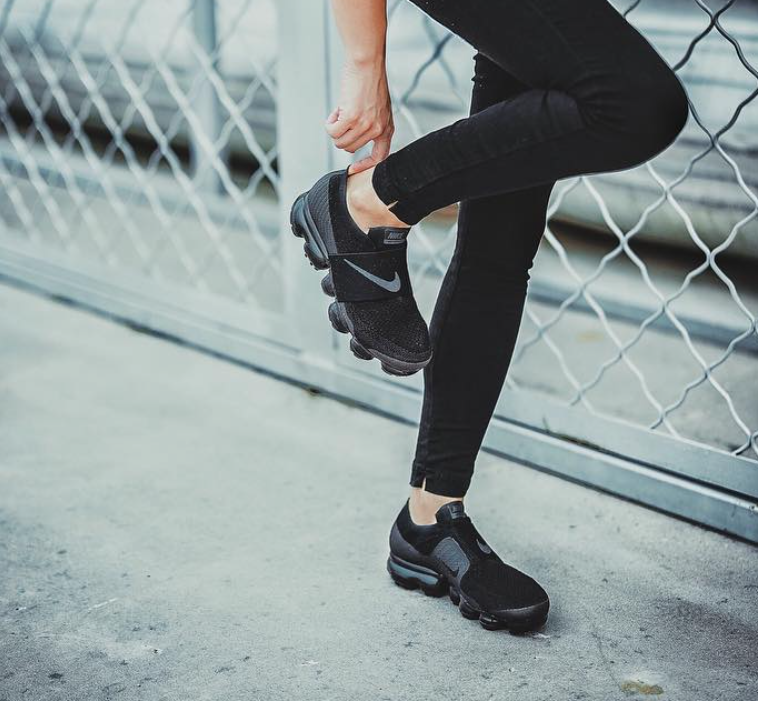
(368, 275)
(451, 557)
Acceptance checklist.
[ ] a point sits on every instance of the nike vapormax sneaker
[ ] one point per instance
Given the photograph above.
(451, 557)
(368, 276)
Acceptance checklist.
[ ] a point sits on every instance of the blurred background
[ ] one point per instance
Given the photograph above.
(149, 153)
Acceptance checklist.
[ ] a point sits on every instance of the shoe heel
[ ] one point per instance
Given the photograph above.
(299, 226)
(297, 223)
(410, 576)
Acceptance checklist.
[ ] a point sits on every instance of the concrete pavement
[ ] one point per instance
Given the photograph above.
(176, 527)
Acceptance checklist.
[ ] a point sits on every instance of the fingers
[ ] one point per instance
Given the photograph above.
(360, 166)
(350, 133)
(343, 129)
(337, 124)
(380, 151)
(353, 140)
(354, 137)
(382, 147)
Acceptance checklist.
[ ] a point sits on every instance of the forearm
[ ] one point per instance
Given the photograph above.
(362, 24)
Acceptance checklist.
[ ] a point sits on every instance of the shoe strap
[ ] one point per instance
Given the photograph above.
(371, 275)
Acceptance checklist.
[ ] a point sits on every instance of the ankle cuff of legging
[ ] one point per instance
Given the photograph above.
(383, 183)
(387, 191)
(444, 485)
(417, 478)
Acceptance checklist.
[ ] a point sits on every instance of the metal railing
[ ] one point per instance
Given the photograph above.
(148, 154)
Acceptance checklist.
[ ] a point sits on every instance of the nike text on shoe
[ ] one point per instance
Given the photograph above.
(368, 276)
(451, 557)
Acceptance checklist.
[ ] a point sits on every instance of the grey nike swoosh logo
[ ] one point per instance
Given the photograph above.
(389, 285)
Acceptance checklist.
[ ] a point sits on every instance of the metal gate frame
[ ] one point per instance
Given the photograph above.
(680, 477)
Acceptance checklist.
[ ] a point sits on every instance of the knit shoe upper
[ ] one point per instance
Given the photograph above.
(369, 276)
(455, 549)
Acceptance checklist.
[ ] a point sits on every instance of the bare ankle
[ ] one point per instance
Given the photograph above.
(424, 505)
(364, 204)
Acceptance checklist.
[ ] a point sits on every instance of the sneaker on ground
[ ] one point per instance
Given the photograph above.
(451, 557)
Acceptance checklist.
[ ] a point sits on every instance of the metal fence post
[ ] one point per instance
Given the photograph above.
(206, 104)
(304, 154)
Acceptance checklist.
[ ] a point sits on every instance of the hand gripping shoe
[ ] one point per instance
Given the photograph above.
(368, 276)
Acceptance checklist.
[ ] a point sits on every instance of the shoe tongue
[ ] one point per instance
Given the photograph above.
(387, 235)
(450, 512)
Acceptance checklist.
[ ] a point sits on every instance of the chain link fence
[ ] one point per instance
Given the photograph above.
(149, 151)
(117, 126)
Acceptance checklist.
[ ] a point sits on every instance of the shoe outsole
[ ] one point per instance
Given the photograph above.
(315, 252)
(410, 576)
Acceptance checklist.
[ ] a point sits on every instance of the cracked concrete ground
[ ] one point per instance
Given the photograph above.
(177, 527)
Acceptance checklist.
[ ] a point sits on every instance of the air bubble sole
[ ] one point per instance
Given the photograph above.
(409, 575)
(317, 255)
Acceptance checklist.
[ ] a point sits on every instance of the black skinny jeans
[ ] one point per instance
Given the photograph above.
(561, 88)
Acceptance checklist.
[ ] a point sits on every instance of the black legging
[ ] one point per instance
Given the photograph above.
(561, 88)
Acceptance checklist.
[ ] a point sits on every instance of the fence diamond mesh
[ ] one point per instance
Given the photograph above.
(141, 138)
(117, 120)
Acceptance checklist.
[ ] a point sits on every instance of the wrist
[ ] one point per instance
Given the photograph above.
(366, 60)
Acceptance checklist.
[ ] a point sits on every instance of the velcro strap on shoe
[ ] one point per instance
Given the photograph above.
(372, 275)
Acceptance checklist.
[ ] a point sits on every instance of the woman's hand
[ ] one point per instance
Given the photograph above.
(364, 113)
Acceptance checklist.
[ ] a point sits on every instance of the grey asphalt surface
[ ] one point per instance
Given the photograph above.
(174, 527)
